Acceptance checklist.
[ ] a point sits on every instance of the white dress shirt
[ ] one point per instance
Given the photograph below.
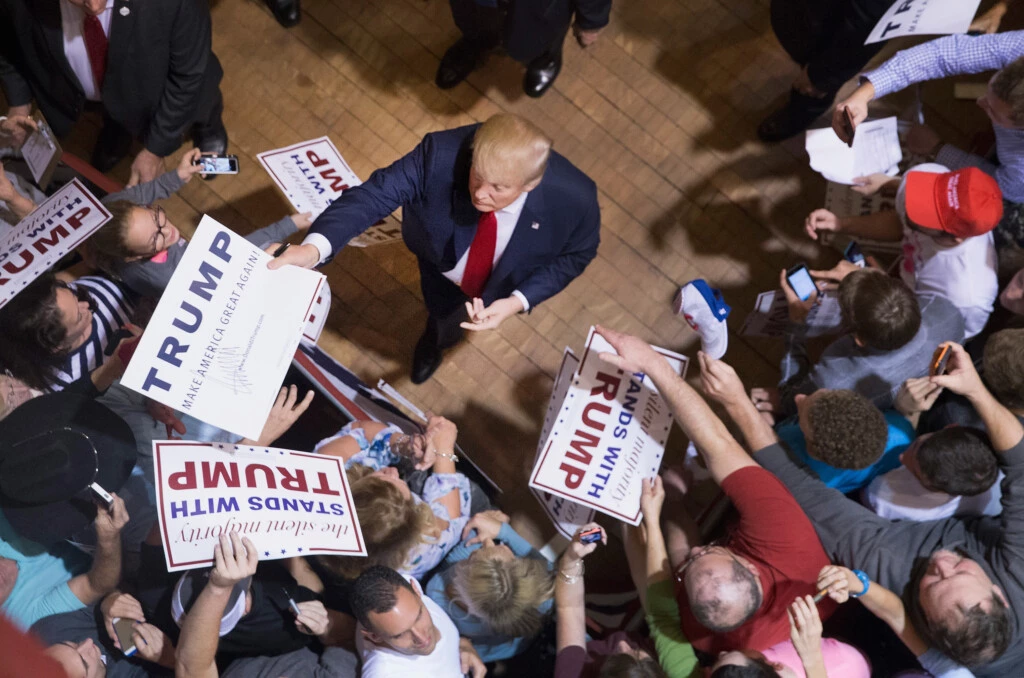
(507, 217)
(72, 18)
(380, 661)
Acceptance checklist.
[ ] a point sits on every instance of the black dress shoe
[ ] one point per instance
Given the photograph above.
(211, 138)
(426, 358)
(793, 118)
(458, 62)
(112, 145)
(541, 73)
(287, 12)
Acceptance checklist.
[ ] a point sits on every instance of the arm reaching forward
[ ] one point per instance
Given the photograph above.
(722, 453)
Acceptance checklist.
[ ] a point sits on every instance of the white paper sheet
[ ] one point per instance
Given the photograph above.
(876, 149)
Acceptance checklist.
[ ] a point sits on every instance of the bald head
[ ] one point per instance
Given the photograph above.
(723, 594)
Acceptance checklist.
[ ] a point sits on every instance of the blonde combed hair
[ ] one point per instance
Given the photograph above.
(392, 526)
(508, 148)
(504, 593)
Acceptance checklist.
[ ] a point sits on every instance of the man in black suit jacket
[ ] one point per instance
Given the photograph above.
(532, 31)
(498, 221)
(160, 78)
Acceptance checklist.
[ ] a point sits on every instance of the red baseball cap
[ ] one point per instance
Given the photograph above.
(963, 203)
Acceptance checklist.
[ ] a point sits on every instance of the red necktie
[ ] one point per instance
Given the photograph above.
(481, 255)
(96, 47)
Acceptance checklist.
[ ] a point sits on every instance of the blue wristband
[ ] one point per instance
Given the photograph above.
(863, 580)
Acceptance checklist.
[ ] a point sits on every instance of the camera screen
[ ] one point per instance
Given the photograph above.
(219, 165)
(802, 283)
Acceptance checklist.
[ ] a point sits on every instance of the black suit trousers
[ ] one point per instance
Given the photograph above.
(827, 36)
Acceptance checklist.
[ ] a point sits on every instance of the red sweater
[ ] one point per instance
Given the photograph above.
(774, 534)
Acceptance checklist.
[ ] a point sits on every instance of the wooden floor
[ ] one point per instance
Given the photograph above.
(660, 113)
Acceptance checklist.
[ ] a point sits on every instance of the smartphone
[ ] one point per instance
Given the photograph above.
(119, 336)
(940, 360)
(800, 280)
(590, 536)
(218, 164)
(123, 629)
(853, 254)
(101, 496)
(848, 128)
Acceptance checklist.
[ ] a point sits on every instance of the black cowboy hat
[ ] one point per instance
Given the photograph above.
(52, 449)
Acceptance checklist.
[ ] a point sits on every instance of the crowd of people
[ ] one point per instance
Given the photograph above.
(880, 467)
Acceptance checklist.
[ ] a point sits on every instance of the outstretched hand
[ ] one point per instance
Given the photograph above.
(303, 256)
(961, 377)
(633, 353)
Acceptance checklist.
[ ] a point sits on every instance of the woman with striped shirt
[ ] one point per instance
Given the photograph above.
(54, 333)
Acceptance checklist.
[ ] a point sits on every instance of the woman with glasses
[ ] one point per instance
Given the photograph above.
(140, 246)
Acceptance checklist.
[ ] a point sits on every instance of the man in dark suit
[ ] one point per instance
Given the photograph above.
(498, 221)
(148, 65)
(532, 32)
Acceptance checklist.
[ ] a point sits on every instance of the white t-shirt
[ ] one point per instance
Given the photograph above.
(380, 661)
(899, 495)
(965, 274)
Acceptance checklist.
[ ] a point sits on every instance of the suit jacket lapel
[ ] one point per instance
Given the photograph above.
(121, 28)
(519, 247)
(53, 32)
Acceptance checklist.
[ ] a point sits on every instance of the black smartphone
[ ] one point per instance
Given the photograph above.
(853, 254)
(848, 126)
(118, 336)
(590, 536)
(218, 164)
(799, 279)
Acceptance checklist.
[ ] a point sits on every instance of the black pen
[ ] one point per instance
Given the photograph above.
(280, 250)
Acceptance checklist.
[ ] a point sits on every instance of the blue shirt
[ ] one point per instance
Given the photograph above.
(491, 646)
(41, 588)
(901, 433)
(956, 55)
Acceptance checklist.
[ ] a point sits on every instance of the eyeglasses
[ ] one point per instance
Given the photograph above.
(159, 240)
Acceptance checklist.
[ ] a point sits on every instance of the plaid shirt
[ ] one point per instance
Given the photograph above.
(956, 55)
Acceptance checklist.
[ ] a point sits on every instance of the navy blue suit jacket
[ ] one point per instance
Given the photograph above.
(556, 237)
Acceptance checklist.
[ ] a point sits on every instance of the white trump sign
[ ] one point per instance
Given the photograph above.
(224, 332)
(608, 436)
(567, 516)
(924, 17)
(288, 503)
(53, 229)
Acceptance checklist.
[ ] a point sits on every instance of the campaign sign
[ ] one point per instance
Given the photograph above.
(39, 240)
(311, 174)
(224, 332)
(288, 503)
(567, 516)
(924, 17)
(608, 436)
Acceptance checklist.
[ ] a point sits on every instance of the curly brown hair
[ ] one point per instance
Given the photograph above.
(846, 430)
